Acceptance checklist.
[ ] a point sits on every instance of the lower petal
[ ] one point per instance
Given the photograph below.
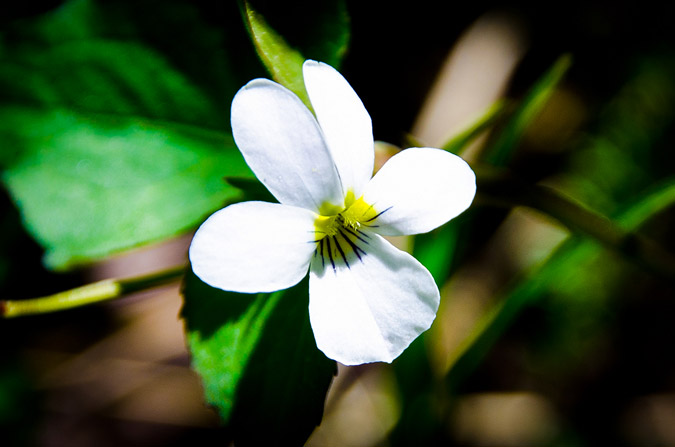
(254, 247)
(369, 307)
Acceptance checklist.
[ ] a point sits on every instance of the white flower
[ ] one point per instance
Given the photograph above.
(367, 300)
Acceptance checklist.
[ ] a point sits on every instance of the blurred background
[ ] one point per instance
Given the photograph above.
(584, 359)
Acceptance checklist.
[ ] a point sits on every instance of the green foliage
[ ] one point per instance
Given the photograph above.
(458, 142)
(580, 268)
(506, 143)
(104, 76)
(326, 38)
(101, 146)
(258, 361)
(574, 287)
(144, 181)
(283, 62)
(571, 271)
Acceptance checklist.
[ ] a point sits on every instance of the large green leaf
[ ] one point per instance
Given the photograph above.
(202, 41)
(91, 185)
(105, 76)
(258, 361)
(106, 145)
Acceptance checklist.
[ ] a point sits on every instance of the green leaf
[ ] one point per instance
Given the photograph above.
(650, 204)
(106, 145)
(325, 37)
(500, 152)
(105, 76)
(203, 42)
(463, 138)
(283, 62)
(258, 361)
(88, 186)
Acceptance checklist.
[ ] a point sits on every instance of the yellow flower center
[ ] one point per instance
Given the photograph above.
(355, 213)
(340, 233)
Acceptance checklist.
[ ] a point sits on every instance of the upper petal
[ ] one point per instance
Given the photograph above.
(418, 190)
(254, 247)
(282, 143)
(370, 307)
(345, 123)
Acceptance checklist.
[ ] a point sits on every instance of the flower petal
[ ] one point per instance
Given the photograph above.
(418, 190)
(282, 143)
(370, 307)
(345, 123)
(254, 247)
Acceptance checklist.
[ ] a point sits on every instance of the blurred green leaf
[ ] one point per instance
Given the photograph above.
(463, 138)
(258, 361)
(655, 201)
(202, 42)
(501, 150)
(91, 185)
(325, 39)
(251, 189)
(105, 76)
(106, 145)
(629, 149)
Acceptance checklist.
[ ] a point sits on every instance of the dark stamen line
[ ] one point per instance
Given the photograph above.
(323, 259)
(357, 235)
(361, 233)
(378, 215)
(350, 241)
(342, 253)
(353, 245)
(330, 254)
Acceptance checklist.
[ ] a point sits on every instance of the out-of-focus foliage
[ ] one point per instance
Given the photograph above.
(528, 109)
(114, 120)
(84, 204)
(106, 145)
(572, 292)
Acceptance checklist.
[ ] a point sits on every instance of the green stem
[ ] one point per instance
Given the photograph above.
(97, 292)
(496, 186)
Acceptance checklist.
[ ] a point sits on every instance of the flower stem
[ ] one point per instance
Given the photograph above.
(97, 292)
(497, 187)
